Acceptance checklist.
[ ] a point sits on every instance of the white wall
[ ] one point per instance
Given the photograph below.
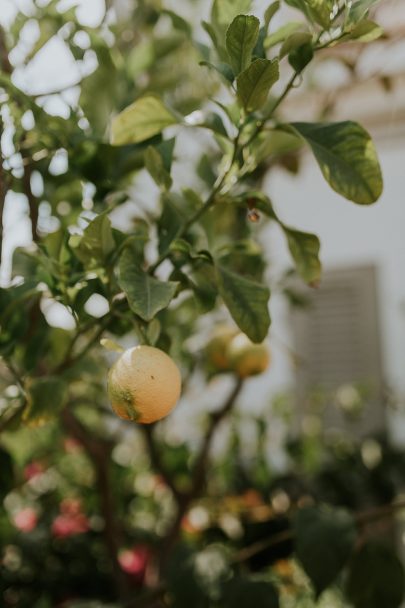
(350, 235)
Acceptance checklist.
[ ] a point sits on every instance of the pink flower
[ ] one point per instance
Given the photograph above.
(64, 526)
(25, 520)
(134, 562)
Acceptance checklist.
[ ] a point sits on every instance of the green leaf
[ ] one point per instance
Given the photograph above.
(143, 119)
(359, 10)
(246, 300)
(324, 541)
(255, 82)
(318, 11)
(223, 12)
(365, 31)
(170, 222)
(178, 22)
(376, 577)
(347, 158)
(222, 68)
(146, 295)
(97, 242)
(241, 38)
(293, 42)
(245, 593)
(100, 90)
(214, 122)
(321, 11)
(304, 248)
(299, 57)
(153, 331)
(45, 399)
(155, 165)
(270, 12)
(282, 34)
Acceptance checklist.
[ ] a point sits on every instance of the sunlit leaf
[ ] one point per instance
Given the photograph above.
(255, 83)
(143, 119)
(347, 157)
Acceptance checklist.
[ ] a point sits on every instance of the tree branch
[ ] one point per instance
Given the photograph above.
(99, 452)
(3, 192)
(32, 200)
(200, 467)
(199, 473)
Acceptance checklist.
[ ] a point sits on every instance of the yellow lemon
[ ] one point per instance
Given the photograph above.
(144, 384)
(247, 358)
(216, 351)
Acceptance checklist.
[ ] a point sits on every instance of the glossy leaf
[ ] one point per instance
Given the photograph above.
(246, 300)
(146, 295)
(254, 84)
(143, 119)
(241, 38)
(301, 56)
(304, 248)
(347, 158)
(376, 577)
(324, 541)
(97, 242)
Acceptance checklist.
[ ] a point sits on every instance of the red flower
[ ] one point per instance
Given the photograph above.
(71, 520)
(69, 525)
(134, 562)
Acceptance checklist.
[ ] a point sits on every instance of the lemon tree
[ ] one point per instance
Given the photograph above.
(141, 184)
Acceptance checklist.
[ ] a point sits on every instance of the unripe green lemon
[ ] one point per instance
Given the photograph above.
(144, 384)
(246, 358)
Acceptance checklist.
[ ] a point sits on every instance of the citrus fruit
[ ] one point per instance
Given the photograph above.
(246, 358)
(216, 351)
(144, 384)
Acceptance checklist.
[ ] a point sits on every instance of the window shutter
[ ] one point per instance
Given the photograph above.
(337, 340)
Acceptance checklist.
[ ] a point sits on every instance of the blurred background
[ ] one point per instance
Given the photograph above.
(338, 349)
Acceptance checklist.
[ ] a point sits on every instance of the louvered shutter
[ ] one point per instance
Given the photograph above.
(337, 339)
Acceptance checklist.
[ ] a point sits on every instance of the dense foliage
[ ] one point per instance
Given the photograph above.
(95, 509)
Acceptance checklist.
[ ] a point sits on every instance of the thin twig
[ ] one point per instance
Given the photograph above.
(209, 202)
